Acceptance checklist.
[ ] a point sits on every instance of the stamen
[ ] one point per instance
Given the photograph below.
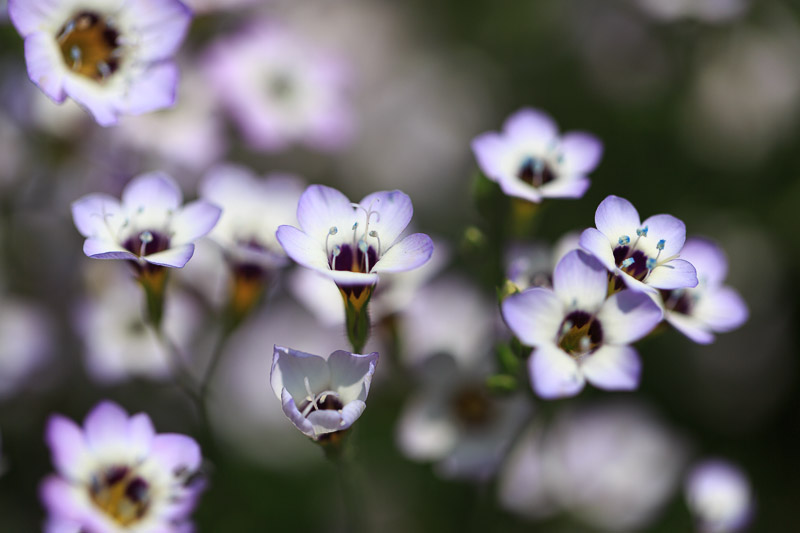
(585, 343)
(333, 231)
(362, 245)
(374, 234)
(627, 262)
(75, 55)
(651, 263)
(336, 251)
(146, 237)
(624, 240)
(642, 232)
(661, 244)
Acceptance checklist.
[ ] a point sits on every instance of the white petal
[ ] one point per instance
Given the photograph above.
(580, 281)
(708, 259)
(31, 16)
(103, 249)
(154, 89)
(394, 213)
(534, 315)
(532, 127)
(597, 244)
(566, 188)
(292, 413)
(90, 214)
(161, 26)
(691, 327)
(582, 152)
(675, 274)
(723, 309)
(553, 373)
(193, 221)
(426, 430)
(175, 257)
(616, 217)
(613, 368)
(45, 65)
(628, 316)
(408, 254)
(303, 249)
(152, 190)
(490, 151)
(320, 208)
(667, 228)
(351, 374)
(290, 368)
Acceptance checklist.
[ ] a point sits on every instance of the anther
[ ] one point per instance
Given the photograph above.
(651, 263)
(642, 232)
(627, 262)
(661, 244)
(333, 231)
(624, 240)
(374, 234)
(584, 344)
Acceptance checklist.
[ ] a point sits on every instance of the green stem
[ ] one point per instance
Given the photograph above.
(358, 326)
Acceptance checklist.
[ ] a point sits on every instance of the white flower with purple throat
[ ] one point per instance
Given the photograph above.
(642, 256)
(113, 57)
(116, 475)
(711, 307)
(322, 395)
(530, 160)
(578, 332)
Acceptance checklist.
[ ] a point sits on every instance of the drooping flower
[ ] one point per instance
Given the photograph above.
(719, 495)
(642, 255)
(115, 474)
(578, 332)
(710, 307)
(149, 226)
(111, 57)
(529, 159)
(322, 395)
(281, 90)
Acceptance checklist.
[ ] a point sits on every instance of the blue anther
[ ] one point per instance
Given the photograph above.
(624, 240)
(333, 231)
(355, 225)
(362, 245)
(642, 232)
(337, 250)
(628, 262)
(651, 263)
(661, 244)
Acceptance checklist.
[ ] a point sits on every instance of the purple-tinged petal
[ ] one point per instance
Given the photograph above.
(675, 274)
(519, 189)
(101, 104)
(408, 254)
(708, 259)
(613, 368)
(395, 211)
(57, 524)
(723, 309)
(161, 26)
(152, 190)
(582, 152)
(89, 213)
(45, 65)
(294, 415)
(328, 421)
(616, 217)
(106, 427)
(290, 369)
(628, 316)
(176, 257)
(720, 496)
(155, 89)
(303, 248)
(351, 374)
(426, 430)
(667, 228)
(580, 281)
(490, 150)
(351, 412)
(553, 373)
(30, 16)
(321, 208)
(176, 452)
(691, 327)
(530, 126)
(597, 244)
(566, 188)
(534, 315)
(59, 497)
(347, 278)
(193, 221)
(102, 249)
(636, 285)
(140, 434)
(67, 446)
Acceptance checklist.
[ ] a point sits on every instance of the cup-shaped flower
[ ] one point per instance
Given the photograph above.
(578, 332)
(719, 495)
(149, 226)
(642, 255)
(116, 474)
(710, 307)
(322, 394)
(111, 57)
(530, 160)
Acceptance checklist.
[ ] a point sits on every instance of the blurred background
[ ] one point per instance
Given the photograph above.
(697, 103)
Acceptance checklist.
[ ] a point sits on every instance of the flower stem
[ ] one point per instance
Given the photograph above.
(338, 453)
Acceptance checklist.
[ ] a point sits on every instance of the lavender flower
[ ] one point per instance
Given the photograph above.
(642, 255)
(719, 495)
(111, 57)
(529, 159)
(117, 475)
(579, 333)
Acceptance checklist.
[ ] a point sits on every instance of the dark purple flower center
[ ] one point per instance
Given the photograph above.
(327, 402)
(120, 493)
(472, 406)
(535, 171)
(636, 268)
(581, 333)
(146, 242)
(347, 258)
(679, 301)
(90, 45)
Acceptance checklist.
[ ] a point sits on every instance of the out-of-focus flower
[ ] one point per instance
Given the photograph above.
(703, 10)
(120, 344)
(112, 58)
(531, 161)
(25, 343)
(12, 155)
(149, 225)
(322, 395)
(117, 475)
(612, 465)
(719, 495)
(281, 90)
(642, 255)
(532, 265)
(210, 6)
(579, 333)
(352, 243)
(455, 421)
(711, 306)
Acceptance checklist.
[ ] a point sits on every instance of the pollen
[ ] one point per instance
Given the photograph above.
(121, 494)
(90, 45)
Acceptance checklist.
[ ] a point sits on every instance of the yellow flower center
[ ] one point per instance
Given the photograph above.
(90, 46)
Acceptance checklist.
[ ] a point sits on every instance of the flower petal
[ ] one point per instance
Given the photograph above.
(176, 452)
(628, 316)
(89, 213)
(566, 188)
(106, 427)
(613, 368)
(490, 150)
(45, 65)
(691, 327)
(426, 430)
(290, 368)
(351, 374)
(408, 254)
(597, 244)
(303, 248)
(675, 274)
(616, 217)
(534, 315)
(513, 186)
(140, 434)
(667, 228)
(582, 152)
(101, 103)
(580, 281)
(58, 495)
(294, 415)
(531, 127)
(155, 89)
(328, 421)
(193, 221)
(68, 447)
(31, 16)
(723, 309)
(553, 373)
(320, 208)
(394, 213)
(152, 190)
(708, 259)
(176, 257)
(161, 26)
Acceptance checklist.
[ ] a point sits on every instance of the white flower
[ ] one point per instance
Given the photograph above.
(719, 495)
(25, 343)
